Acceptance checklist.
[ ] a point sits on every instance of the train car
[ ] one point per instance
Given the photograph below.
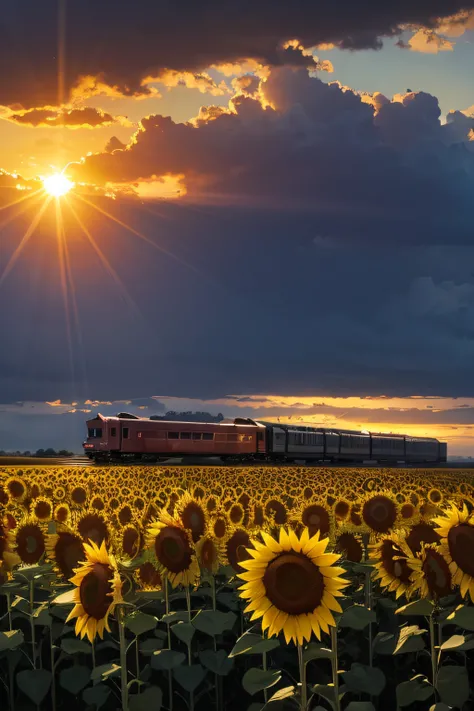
(127, 437)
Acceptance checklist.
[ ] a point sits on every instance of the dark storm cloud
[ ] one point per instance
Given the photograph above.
(86, 117)
(372, 169)
(119, 44)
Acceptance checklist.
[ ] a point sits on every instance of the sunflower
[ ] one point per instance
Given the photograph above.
(92, 527)
(276, 511)
(456, 529)
(131, 541)
(66, 549)
(193, 516)
(219, 526)
(435, 496)
(421, 533)
(236, 549)
(78, 496)
(171, 543)
(97, 503)
(341, 509)
(236, 513)
(30, 541)
(148, 577)
(391, 556)
(350, 547)
(208, 554)
(431, 575)
(98, 591)
(16, 488)
(42, 509)
(61, 513)
(379, 513)
(316, 518)
(293, 585)
(8, 559)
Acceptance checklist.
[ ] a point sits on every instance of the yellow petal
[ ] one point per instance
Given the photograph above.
(330, 602)
(285, 540)
(294, 541)
(278, 623)
(271, 543)
(251, 575)
(315, 626)
(326, 559)
(289, 630)
(305, 626)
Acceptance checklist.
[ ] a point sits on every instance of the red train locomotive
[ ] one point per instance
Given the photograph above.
(130, 438)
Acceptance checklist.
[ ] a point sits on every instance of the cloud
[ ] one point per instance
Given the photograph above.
(85, 117)
(427, 42)
(109, 50)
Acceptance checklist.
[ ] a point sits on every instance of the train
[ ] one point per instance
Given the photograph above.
(129, 438)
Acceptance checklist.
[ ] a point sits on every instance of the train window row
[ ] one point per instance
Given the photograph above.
(191, 435)
(94, 432)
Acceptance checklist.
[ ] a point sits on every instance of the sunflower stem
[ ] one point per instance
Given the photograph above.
(9, 608)
(32, 621)
(304, 688)
(434, 661)
(53, 679)
(368, 604)
(137, 661)
(334, 665)
(213, 591)
(264, 663)
(167, 611)
(93, 655)
(188, 605)
(123, 657)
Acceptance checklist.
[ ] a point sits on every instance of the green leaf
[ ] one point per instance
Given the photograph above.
(72, 645)
(138, 622)
(75, 678)
(417, 689)
(189, 677)
(453, 685)
(357, 617)
(172, 617)
(41, 615)
(229, 600)
(288, 692)
(327, 692)
(316, 651)
(418, 607)
(214, 622)
(149, 646)
(463, 616)
(255, 680)
(250, 643)
(440, 707)
(360, 706)
(217, 662)
(184, 631)
(34, 683)
(105, 671)
(365, 679)
(458, 642)
(167, 659)
(410, 640)
(384, 643)
(151, 698)
(96, 695)
(11, 639)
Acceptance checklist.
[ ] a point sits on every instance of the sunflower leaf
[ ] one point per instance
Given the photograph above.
(417, 689)
(327, 692)
(184, 631)
(316, 651)
(151, 698)
(440, 707)
(75, 678)
(250, 643)
(72, 645)
(409, 640)
(139, 622)
(96, 695)
(167, 659)
(217, 662)
(453, 685)
(418, 607)
(463, 616)
(357, 617)
(11, 639)
(34, 683)
(214, 622)
(384, 643)
(459, 642)
(255, 680)
(229, 600)
(365, 679)
(360, 706)
(174, 617)
(189, 677)
(105, 671)
(149, 646)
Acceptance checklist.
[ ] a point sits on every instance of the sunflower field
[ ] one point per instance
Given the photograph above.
(304, 589)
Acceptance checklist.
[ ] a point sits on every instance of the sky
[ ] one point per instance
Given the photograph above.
(269, 211)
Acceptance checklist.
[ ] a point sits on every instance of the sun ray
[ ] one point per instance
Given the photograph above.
(61, 242)
(21, 199)
(34, 223)
(140, 235)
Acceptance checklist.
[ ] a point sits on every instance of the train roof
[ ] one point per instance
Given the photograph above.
(158, 418)
(337, 430)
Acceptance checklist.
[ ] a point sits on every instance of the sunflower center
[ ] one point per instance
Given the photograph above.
(395, 562)
(293, 584)
(437, 574)
(379, 513)
(208, 554)
(94, 591)
(461, 545)
(68, 552)
(194, 519)
(172, 549)
(421, 533)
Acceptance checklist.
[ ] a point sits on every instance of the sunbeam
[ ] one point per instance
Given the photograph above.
(21, 199)
(34, 223)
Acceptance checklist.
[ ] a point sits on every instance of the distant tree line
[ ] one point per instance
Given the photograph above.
(50, 452)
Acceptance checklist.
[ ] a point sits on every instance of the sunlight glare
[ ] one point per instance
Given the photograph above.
(57, 185)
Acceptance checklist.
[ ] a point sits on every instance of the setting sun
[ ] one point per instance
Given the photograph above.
(57, 185)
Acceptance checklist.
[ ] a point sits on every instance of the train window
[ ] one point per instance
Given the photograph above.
(185, 435)
(260, 436)
(173, 435)
(208, 435)
(94, 432)
(113, 432)
(196, 435)
(125, 432)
